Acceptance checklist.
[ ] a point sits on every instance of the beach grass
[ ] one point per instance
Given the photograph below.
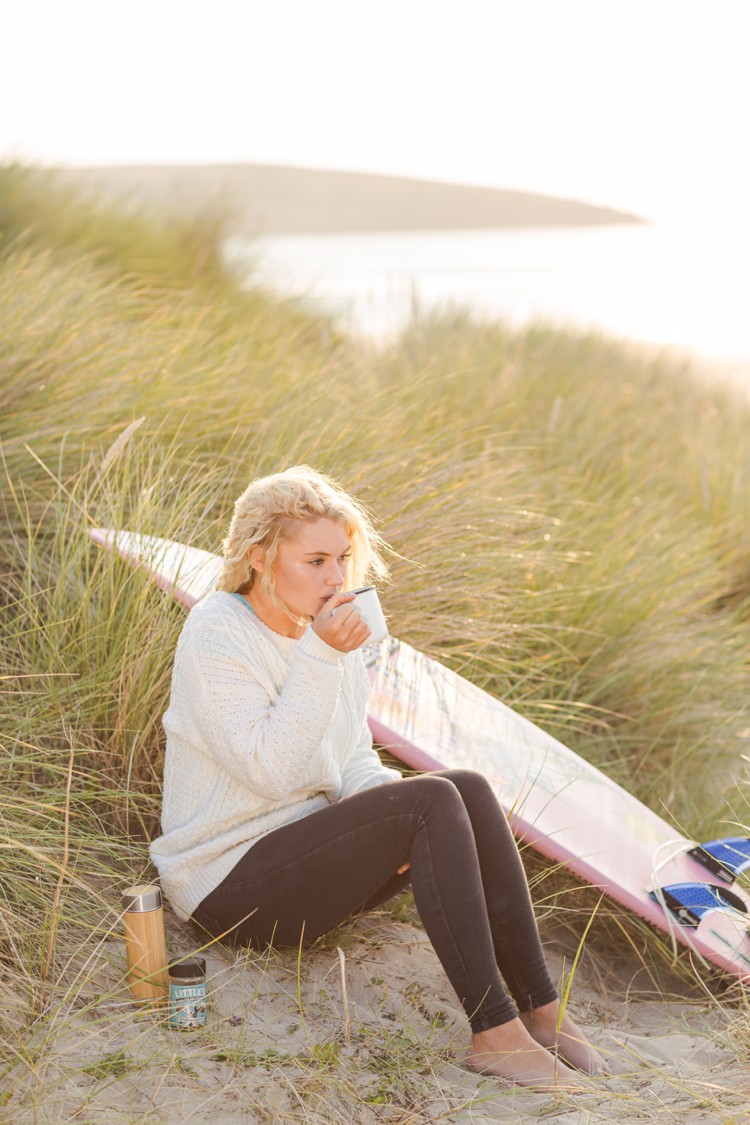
(570, 524)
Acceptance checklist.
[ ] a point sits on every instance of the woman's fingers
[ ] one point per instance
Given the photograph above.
(340, 625)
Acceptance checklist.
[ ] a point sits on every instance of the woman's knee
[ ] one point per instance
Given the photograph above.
(436, 790)
(470, 782)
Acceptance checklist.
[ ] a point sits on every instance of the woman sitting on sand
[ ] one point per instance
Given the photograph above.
(279, 820)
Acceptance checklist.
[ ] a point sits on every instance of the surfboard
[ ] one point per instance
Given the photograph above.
(558, 803)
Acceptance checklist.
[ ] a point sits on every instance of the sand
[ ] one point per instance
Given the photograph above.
(281, 1045)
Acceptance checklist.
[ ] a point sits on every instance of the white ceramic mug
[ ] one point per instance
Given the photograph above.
(367, 603)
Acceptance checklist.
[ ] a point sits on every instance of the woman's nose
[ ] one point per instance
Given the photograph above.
(336, 575)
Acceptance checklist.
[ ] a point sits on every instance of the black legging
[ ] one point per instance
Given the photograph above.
(469, 885)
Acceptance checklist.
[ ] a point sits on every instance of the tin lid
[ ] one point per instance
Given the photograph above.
(144, 897)
(190, 967)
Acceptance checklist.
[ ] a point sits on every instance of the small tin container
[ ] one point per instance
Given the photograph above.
(187, 994)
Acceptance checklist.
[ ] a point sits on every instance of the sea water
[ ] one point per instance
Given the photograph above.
(660, 283)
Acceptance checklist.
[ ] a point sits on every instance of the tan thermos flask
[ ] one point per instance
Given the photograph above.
(145, 943)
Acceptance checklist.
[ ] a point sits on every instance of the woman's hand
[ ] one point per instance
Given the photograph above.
(340, 625)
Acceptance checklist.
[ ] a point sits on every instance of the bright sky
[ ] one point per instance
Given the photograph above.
(640, 104)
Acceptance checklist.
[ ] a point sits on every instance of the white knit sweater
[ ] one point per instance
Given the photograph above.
(261, 731)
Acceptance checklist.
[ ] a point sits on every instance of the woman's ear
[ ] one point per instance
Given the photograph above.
(256, 555)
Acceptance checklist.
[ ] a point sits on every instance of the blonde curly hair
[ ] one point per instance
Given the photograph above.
(266, 514)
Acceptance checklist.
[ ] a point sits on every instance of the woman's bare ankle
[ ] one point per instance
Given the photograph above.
(509, 1051)
(563, 1036)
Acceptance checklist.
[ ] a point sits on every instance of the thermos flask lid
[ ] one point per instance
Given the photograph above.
(141, 898)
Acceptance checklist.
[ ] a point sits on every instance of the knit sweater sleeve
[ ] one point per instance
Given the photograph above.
(268, 736)
(364, 769)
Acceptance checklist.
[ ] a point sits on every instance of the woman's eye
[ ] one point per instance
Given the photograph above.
(315, 562)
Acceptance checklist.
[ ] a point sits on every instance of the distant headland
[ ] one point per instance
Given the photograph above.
(264, 199)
